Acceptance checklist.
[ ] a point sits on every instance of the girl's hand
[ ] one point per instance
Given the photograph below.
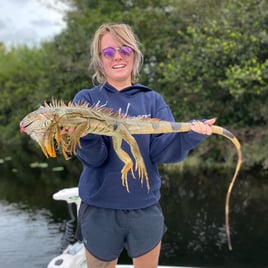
(203, 127)
(69, 132)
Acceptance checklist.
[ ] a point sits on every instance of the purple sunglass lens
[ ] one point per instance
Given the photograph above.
(125, 51)
(109, 52)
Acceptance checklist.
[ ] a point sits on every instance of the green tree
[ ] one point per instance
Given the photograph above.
(220, 67)
(207, 58)
(23, 79)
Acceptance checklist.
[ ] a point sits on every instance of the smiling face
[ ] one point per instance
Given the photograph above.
(117, 68)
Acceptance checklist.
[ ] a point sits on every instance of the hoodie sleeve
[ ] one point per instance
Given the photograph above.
(93, 150)
(173, 147)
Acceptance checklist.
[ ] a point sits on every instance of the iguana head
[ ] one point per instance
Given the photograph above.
(41, 126)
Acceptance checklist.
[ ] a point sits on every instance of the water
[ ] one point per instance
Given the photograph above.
(28, 238)
(32, 223)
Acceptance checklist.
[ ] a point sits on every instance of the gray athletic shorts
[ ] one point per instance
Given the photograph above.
(106, 232)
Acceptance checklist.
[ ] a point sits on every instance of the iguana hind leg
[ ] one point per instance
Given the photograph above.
(122, 133)
(125, 158)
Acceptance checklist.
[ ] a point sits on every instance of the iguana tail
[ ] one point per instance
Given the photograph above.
(226, 133)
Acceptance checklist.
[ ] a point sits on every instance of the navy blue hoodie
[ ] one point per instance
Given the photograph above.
(100, 182)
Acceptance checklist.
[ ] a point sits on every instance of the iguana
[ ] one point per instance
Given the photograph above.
(45, 125)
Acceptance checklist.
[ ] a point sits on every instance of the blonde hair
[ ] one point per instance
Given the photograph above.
(125, 35)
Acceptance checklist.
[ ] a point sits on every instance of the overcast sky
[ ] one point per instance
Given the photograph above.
(30, 21)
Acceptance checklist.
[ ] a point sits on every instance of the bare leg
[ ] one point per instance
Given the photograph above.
(93, 262)
(148, 260)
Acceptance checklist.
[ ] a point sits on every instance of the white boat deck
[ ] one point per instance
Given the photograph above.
(160, 266)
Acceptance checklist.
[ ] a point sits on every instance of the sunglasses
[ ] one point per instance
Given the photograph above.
(124, 51)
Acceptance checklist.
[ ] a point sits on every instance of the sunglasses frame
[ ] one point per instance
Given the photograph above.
(124, 51)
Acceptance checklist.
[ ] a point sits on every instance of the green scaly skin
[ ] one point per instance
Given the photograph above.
(45, 125)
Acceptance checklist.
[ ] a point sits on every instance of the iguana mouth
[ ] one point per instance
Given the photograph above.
(23, 127)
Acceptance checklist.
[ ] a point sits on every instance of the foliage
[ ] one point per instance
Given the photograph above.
(207, 58)
(23, 82)
(222, 62)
